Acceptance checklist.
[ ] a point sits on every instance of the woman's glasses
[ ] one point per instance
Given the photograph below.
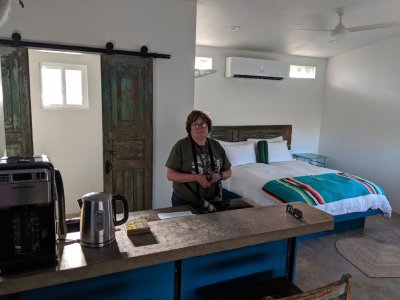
(200, 125)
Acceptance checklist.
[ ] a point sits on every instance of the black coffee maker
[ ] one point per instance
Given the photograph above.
(32, 211)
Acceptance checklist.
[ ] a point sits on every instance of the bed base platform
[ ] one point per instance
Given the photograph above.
(344, 223)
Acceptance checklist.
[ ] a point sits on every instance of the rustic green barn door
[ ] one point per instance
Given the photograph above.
(16, 101)
(127, 85)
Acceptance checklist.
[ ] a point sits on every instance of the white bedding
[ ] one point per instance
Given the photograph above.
(247, 181)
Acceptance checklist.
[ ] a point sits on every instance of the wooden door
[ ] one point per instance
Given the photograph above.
(127, 92)
(16, 101)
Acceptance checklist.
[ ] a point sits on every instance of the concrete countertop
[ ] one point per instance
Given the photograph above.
(174, 239)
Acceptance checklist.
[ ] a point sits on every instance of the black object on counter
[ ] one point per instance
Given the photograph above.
(28, 212)
(222, 205)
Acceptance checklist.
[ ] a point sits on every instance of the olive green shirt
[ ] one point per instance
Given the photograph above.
(181, 160)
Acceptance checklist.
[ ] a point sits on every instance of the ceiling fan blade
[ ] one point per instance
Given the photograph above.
(309, 29)
(373, 26)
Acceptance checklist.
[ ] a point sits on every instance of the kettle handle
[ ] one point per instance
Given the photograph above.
(121, 198)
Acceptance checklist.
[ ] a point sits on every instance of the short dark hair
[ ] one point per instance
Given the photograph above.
(194, 115)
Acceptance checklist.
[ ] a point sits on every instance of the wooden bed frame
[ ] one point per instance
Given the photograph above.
(241, 133)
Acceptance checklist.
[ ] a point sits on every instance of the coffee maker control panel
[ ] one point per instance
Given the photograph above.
(25, 187)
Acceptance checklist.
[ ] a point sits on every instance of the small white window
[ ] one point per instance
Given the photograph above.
(302, 72)
(64, 86)
(203, 66)
(203, 63)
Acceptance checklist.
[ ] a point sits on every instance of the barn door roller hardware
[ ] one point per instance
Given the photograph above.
(109, 49)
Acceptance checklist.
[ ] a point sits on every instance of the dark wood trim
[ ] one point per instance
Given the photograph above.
(242, 133)
(290, 259)
(177, 279)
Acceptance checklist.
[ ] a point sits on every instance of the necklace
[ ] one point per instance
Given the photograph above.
(204, 156)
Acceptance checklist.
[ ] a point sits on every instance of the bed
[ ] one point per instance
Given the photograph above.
(251, 180)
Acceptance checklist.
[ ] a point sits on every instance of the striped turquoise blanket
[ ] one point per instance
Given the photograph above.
(320, 189)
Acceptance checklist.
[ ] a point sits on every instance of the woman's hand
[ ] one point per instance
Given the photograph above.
(203, 180)
(215, 177)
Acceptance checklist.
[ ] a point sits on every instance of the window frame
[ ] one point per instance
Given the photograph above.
(63, 67)
(198, 64)
(303, 67)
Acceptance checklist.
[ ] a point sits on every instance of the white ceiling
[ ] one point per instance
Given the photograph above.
(264, 24)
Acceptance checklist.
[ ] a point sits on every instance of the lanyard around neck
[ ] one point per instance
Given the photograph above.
(196, 165)
(210, 154)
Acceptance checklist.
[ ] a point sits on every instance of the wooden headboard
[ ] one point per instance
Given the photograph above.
(241, 133)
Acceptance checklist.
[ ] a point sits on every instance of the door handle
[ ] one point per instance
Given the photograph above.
(108, 166)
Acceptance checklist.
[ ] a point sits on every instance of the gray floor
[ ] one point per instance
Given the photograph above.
(319, 263)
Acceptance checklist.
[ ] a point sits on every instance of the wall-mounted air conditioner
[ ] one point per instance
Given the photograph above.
(241, 67)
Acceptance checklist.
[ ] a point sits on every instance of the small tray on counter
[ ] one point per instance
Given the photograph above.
(137, 226)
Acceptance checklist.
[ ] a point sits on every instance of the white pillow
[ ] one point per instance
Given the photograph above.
(278, 151)
(274, 139)
(223, 143)
(240, 153)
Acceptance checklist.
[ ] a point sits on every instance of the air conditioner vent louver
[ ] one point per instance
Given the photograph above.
(252, 68)
(258, 77)
(4, 178)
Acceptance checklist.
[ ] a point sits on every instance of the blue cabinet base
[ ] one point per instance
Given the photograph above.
(153, 282)
(202, 271)
(186, 279)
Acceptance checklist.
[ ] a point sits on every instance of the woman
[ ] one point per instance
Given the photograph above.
(197, 164)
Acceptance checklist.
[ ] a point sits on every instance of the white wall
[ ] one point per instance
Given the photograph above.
(237, 101)
(167, 26)
(71, 138)
(360, 122)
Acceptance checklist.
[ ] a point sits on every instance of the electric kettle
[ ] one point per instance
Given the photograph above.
(98, 218)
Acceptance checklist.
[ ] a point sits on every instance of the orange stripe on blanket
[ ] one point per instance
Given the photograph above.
(370, 189)
(317, 196)
(276, 198)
